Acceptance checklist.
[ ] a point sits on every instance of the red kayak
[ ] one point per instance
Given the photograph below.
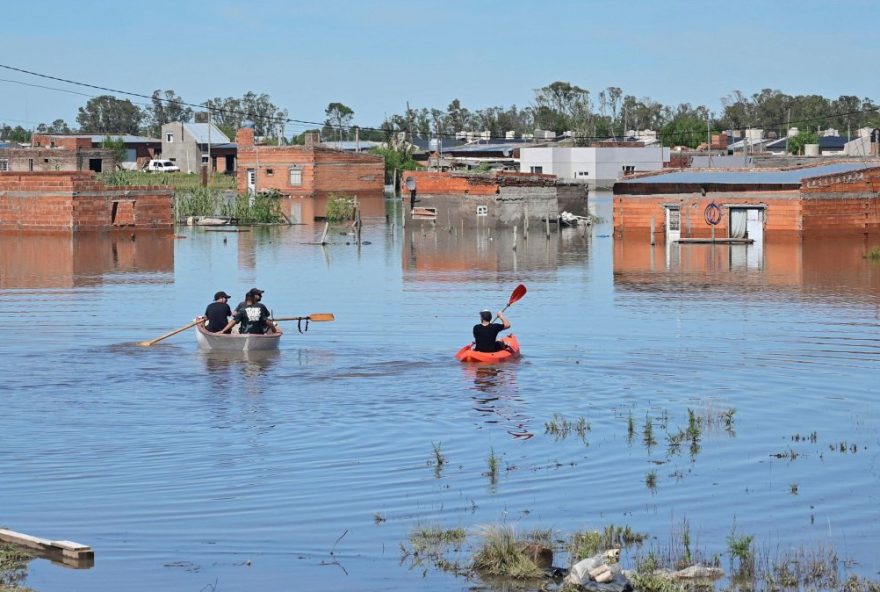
(511, 352)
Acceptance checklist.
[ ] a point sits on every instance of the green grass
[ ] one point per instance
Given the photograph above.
(175, 180)
(340, 208)
(492, 463)
(873, 254)
(585, 544)
(502, 555)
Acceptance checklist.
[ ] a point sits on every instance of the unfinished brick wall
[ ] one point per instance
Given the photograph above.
(844, 203)
(77, 201)
(437, 183)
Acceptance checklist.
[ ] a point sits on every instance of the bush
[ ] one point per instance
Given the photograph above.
(340, 208)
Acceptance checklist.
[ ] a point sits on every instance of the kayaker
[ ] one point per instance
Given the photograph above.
(218, 312)
(486, 333)
(253, 315)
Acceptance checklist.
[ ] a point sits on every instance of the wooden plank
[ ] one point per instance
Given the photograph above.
(720, 241)
(67, 552)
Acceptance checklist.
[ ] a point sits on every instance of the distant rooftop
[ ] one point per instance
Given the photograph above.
(98, 138)
(199, 132)
(758, 177)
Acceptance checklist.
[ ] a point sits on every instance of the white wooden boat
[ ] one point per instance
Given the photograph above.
(234, 342)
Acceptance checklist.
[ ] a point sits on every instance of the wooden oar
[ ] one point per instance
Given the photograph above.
(515, 296)
(317, 317)
(167, 335)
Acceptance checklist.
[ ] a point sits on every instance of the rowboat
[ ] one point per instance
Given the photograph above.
(234, 342)
(511, 352)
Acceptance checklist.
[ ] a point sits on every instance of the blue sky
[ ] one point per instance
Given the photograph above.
(375, 55)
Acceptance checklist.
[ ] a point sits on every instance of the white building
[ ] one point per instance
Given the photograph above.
(598, 166)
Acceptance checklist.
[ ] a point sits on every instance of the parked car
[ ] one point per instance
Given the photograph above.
(161, 166)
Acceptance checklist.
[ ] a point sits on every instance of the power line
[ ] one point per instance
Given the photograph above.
(306, 123)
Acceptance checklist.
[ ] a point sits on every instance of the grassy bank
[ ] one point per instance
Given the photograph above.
(13, 568)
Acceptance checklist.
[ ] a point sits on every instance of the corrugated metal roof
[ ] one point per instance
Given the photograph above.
(98, 138)
(758, 177)
(351, 145)
(199, 132)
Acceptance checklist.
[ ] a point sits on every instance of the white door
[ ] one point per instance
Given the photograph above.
(673, 224)
(755, 231)
(251, 181)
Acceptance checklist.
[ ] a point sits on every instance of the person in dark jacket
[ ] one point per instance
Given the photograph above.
(253, 315)
(486, 333)
(217, 313)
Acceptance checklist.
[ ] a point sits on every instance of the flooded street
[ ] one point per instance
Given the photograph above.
(308, 467)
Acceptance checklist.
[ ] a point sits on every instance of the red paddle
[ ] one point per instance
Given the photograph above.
(515, 296)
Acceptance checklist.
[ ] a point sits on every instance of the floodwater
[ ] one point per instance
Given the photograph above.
(306, 468)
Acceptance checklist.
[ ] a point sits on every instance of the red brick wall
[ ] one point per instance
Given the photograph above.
(63, 142)
(436, 183)
(844, 203)
(76, 201)
(633, 213)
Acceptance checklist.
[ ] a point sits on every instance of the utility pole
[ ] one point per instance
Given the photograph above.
(709, 137)
(209, 147)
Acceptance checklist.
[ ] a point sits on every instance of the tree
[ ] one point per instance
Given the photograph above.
(231, 113)
(117, 146)
(797, 143)
(59, 126)
(339, 118)
(396, 159)
(562, 106)
(167, 107)
(106, 113)
(15, 134)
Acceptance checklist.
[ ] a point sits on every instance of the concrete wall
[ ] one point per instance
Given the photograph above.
(183, 150)
(596, 166)
(76, 201)
(55, 159)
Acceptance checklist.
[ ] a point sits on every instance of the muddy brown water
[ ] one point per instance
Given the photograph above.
(185, 470)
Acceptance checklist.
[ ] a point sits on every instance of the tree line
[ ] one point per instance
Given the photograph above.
(558, 107)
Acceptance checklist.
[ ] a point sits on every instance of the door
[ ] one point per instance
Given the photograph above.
(673, 224)
(755, 231)
(251, 181)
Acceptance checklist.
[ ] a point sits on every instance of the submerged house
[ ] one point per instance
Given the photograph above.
(71, 153)
(307, 177)
(597, 166)
(490, 200)
(832, 199)
(138, 149)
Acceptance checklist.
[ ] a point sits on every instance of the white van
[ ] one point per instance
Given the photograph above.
(161, 166)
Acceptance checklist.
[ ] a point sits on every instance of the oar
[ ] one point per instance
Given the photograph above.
(316, 317)
(167, 335)
(515, 296)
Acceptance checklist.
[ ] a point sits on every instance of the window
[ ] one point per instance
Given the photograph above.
(169, 137)
(296, 176)
(537, 170)
(204, 159)
(583, 173)
(482, 210)
(4, 164)
(629, 169)
(30, 164)
(271, 173)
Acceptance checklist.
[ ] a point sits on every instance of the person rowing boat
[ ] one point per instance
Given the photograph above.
(253, 316)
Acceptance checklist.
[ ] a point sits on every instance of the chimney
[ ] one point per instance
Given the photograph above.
(312, 139)
(245, 136)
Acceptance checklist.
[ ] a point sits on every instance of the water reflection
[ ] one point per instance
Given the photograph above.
(831, 267)
(67, 260)
(481, 250)
(229, 368)
(497, 398)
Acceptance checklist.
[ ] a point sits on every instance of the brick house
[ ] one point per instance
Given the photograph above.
(138, 149)
(70, 153)
(832, 199)
(306, 176)
(71, 201)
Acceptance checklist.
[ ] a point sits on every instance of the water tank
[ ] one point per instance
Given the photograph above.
(793, 131)
(434, 145)
(811, 149)
(248, 124)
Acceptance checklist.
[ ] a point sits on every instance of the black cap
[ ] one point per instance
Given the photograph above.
(255, 291)
(486, 315)
(221, 294)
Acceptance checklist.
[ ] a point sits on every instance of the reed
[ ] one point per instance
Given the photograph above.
(492, 463)
(13, 567)
(502, 554)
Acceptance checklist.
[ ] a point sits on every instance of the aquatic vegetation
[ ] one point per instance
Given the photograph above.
(503, 553)
(436, 545)
(438, 459)
(340, 208)
(742, 554)
(651, 480)
(584, 544)
(630, 428)
(873, 254)
(13, 567)
(793, 488)
(648, 582)
(262, 208)
(379, 518)
(648, 433)
(560, 427)
(492, 463)
(806, 568)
